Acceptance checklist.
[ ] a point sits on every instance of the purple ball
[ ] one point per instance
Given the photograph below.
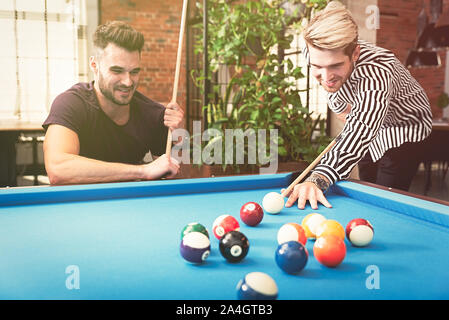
(195, 247)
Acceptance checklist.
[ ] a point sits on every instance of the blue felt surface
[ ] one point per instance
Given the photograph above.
(128, 247)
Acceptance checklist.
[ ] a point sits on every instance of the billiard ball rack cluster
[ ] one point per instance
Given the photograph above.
(291, 254)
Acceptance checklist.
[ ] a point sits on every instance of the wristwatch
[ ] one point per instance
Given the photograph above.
(318, 181)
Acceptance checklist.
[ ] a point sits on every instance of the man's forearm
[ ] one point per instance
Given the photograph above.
(75, 169)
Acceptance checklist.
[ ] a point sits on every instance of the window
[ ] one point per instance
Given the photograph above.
(317, 95)
(44, 52)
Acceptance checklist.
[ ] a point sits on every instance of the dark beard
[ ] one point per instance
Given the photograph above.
(108, 93)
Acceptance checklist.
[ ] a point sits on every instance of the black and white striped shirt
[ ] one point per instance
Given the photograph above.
(389, 108)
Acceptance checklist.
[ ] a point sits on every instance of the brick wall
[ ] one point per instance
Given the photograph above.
(159, 21)
(398, 32)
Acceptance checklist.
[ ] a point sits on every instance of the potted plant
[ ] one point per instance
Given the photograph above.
(247, 41)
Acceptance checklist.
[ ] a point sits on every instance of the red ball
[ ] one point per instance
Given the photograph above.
(359, 232)
(224, 224)
(329, 250)
(251, 213)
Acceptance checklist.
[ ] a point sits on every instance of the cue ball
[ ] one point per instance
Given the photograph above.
(291, 256)
(310, 224)
(329, 250)
(257, 286)
(359, 232)
(273, 202)
(195, 247)
(291, 232)
(194, 227)
(234, 246)
(251, 213)
(224, 224)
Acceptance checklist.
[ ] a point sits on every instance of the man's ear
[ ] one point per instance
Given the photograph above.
(93, 64)
(356, 53)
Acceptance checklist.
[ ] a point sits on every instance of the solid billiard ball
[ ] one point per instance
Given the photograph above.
(234, 246)
(273, 202)
(291, 232)
(310, 224)
(291, 256)
(359, 232)
(194, 227)
(224, 224)
(195, 247)
(257, 286)
(330, 227)
(329, 250)
(251, 213)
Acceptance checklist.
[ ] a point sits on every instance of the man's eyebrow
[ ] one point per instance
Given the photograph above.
(121, 68)
(329, 66)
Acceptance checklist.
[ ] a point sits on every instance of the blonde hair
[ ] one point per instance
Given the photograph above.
(332, 28)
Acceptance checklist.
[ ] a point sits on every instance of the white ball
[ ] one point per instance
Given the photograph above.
(273, 202)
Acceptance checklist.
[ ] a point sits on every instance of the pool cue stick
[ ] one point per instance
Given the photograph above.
(310, 167)
(177, 70)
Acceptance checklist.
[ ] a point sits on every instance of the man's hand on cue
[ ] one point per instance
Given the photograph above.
(163, 166)
(174, 116)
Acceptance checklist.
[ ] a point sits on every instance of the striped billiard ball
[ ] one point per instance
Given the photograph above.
(359, 232)
(257, 286)
(194, 227)
(291, 231)
(224, 224)
(195, 247)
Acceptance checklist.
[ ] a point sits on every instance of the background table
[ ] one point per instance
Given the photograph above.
(436, 149)
(9, 133)
(124, 238)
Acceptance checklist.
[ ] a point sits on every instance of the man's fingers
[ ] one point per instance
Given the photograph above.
(324, 201)
(313, 200)
(302, 199)
(292, 198)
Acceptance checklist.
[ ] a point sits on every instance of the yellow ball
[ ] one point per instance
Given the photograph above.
(310, 224)
(330, 227)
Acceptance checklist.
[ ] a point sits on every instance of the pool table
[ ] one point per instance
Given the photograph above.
(121, 241)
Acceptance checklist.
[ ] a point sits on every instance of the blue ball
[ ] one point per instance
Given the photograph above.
(257, 286)
(291, 256)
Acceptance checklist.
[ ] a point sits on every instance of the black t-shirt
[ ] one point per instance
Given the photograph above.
(100, 137)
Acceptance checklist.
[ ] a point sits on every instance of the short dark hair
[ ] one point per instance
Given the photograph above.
(119, 33)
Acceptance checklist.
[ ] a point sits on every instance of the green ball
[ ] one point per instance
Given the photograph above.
(194, 227)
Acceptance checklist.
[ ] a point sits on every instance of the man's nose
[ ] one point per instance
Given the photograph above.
(326, 75)
(126, 79)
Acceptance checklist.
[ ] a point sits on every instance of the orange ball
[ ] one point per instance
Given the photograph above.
(330, 227)
(291, 232)
(329, 250)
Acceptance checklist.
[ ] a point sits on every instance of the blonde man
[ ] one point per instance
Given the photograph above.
(101, 131)
(386, 111)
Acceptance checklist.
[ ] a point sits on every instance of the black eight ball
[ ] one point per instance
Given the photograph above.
(234, 246)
